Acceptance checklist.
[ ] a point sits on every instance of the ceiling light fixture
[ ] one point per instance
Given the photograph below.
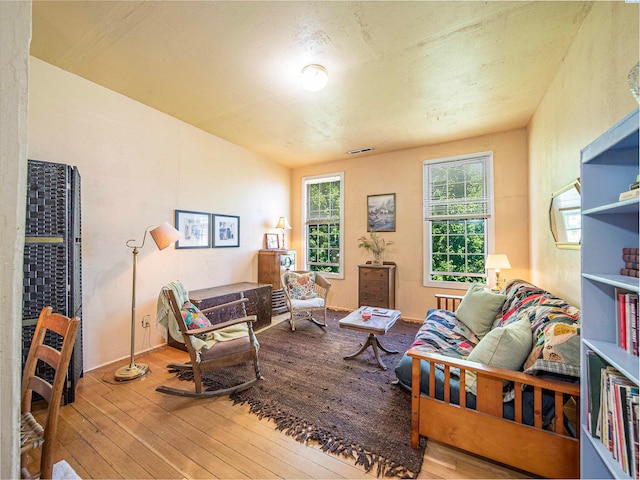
(314, 77)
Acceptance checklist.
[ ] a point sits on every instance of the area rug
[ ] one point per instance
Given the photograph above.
(349, 407)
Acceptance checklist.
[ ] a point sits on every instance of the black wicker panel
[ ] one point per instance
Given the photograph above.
(47, 199)
(45, 279)
(53, 259)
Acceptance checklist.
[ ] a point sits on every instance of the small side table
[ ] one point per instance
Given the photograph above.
(380, 322)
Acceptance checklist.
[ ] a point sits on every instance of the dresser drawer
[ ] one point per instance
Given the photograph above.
(375, 299)
(373, 274)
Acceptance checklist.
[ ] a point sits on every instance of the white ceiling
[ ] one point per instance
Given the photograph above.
(401, 74)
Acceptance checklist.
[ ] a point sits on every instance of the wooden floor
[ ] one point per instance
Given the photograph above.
(128, 430)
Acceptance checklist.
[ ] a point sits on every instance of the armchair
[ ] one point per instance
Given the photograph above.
(305, 292)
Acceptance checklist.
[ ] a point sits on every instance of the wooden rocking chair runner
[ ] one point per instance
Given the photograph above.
(221, 354)
(32, 434)
(303, 308)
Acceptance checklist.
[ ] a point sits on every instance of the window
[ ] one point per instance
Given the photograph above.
(323, 213)
(458, 219)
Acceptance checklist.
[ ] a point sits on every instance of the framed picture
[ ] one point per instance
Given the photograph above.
(194, 228)
(381, 212)
(226, 231)
(273, 240)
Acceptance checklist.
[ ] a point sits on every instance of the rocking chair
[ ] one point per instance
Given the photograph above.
(212, 347)
(305, 292)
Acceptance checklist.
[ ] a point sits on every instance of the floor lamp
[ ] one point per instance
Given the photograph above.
(164, 235)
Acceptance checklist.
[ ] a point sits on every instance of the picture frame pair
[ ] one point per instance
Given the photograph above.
(204, 230)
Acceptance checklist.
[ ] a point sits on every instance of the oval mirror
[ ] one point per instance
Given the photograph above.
(564, 216)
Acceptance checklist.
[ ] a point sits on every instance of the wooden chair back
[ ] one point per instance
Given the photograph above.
(33, 434)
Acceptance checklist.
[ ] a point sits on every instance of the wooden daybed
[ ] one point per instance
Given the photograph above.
(541, 444)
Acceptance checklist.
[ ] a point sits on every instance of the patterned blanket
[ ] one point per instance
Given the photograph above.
(443, 333)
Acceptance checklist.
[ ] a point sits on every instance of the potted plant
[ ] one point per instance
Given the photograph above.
(376, 245)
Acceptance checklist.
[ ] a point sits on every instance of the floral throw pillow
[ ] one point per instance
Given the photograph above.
(301, 286)
(193, 317)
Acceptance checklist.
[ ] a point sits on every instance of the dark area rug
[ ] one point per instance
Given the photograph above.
(349, 407)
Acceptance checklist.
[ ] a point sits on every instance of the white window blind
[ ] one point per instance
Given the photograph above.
(457, 189)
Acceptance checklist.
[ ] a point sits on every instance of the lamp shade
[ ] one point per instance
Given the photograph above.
(497, 261)
(314, 77)
(283, 223)
(164, 235)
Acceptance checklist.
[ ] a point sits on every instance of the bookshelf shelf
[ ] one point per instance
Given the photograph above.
(608, 166)
(620, 281)
(625, 206)
(616, 357)
(603, 454)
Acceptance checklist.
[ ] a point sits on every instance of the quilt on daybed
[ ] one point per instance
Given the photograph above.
(443, 333)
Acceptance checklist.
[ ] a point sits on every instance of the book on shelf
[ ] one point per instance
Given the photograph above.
(627, 320)
(631, 251)
(627, 257)
(629, 272)
(632, 265)
(595, 365)
(629, 194)
(618, 427)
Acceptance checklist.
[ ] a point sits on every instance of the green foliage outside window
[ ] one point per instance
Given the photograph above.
(323, 226)
(457, 209)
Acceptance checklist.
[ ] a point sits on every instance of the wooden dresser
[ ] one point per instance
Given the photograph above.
(377, 285)
(259, 304)
(271, 264)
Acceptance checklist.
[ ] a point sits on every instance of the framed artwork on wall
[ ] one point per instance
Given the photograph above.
(273, 240)
(381, 212)
(226, 231)
(194, 228)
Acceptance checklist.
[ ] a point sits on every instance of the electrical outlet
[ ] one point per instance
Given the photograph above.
(145, 321)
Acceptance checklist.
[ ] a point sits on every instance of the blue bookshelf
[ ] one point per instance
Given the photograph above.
(608, 165)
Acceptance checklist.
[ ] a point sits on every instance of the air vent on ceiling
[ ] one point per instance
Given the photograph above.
(360, 150)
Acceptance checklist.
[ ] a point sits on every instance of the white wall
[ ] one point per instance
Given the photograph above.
(589, 94)
(400, 172)
(15, 35)
(137, 166)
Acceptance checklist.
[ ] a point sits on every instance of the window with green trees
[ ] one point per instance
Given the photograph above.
(458, 206)
(323, 223)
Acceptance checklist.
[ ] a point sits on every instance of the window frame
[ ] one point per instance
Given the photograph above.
(315, 179)
(427, 222)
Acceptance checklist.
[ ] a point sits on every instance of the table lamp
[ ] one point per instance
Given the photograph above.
(283, 224)
(497, 262)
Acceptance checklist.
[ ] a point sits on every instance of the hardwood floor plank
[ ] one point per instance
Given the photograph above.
(311, 453)
(167, 442)
(152, 464)
(128, 430)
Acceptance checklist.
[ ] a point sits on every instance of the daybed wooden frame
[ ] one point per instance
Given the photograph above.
(551, 453)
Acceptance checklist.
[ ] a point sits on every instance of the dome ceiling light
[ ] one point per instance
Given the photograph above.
(314, 77)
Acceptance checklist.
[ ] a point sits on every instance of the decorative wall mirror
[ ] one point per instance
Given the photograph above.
(564, 216)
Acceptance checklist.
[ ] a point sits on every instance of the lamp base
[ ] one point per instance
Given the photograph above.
(130, 372)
